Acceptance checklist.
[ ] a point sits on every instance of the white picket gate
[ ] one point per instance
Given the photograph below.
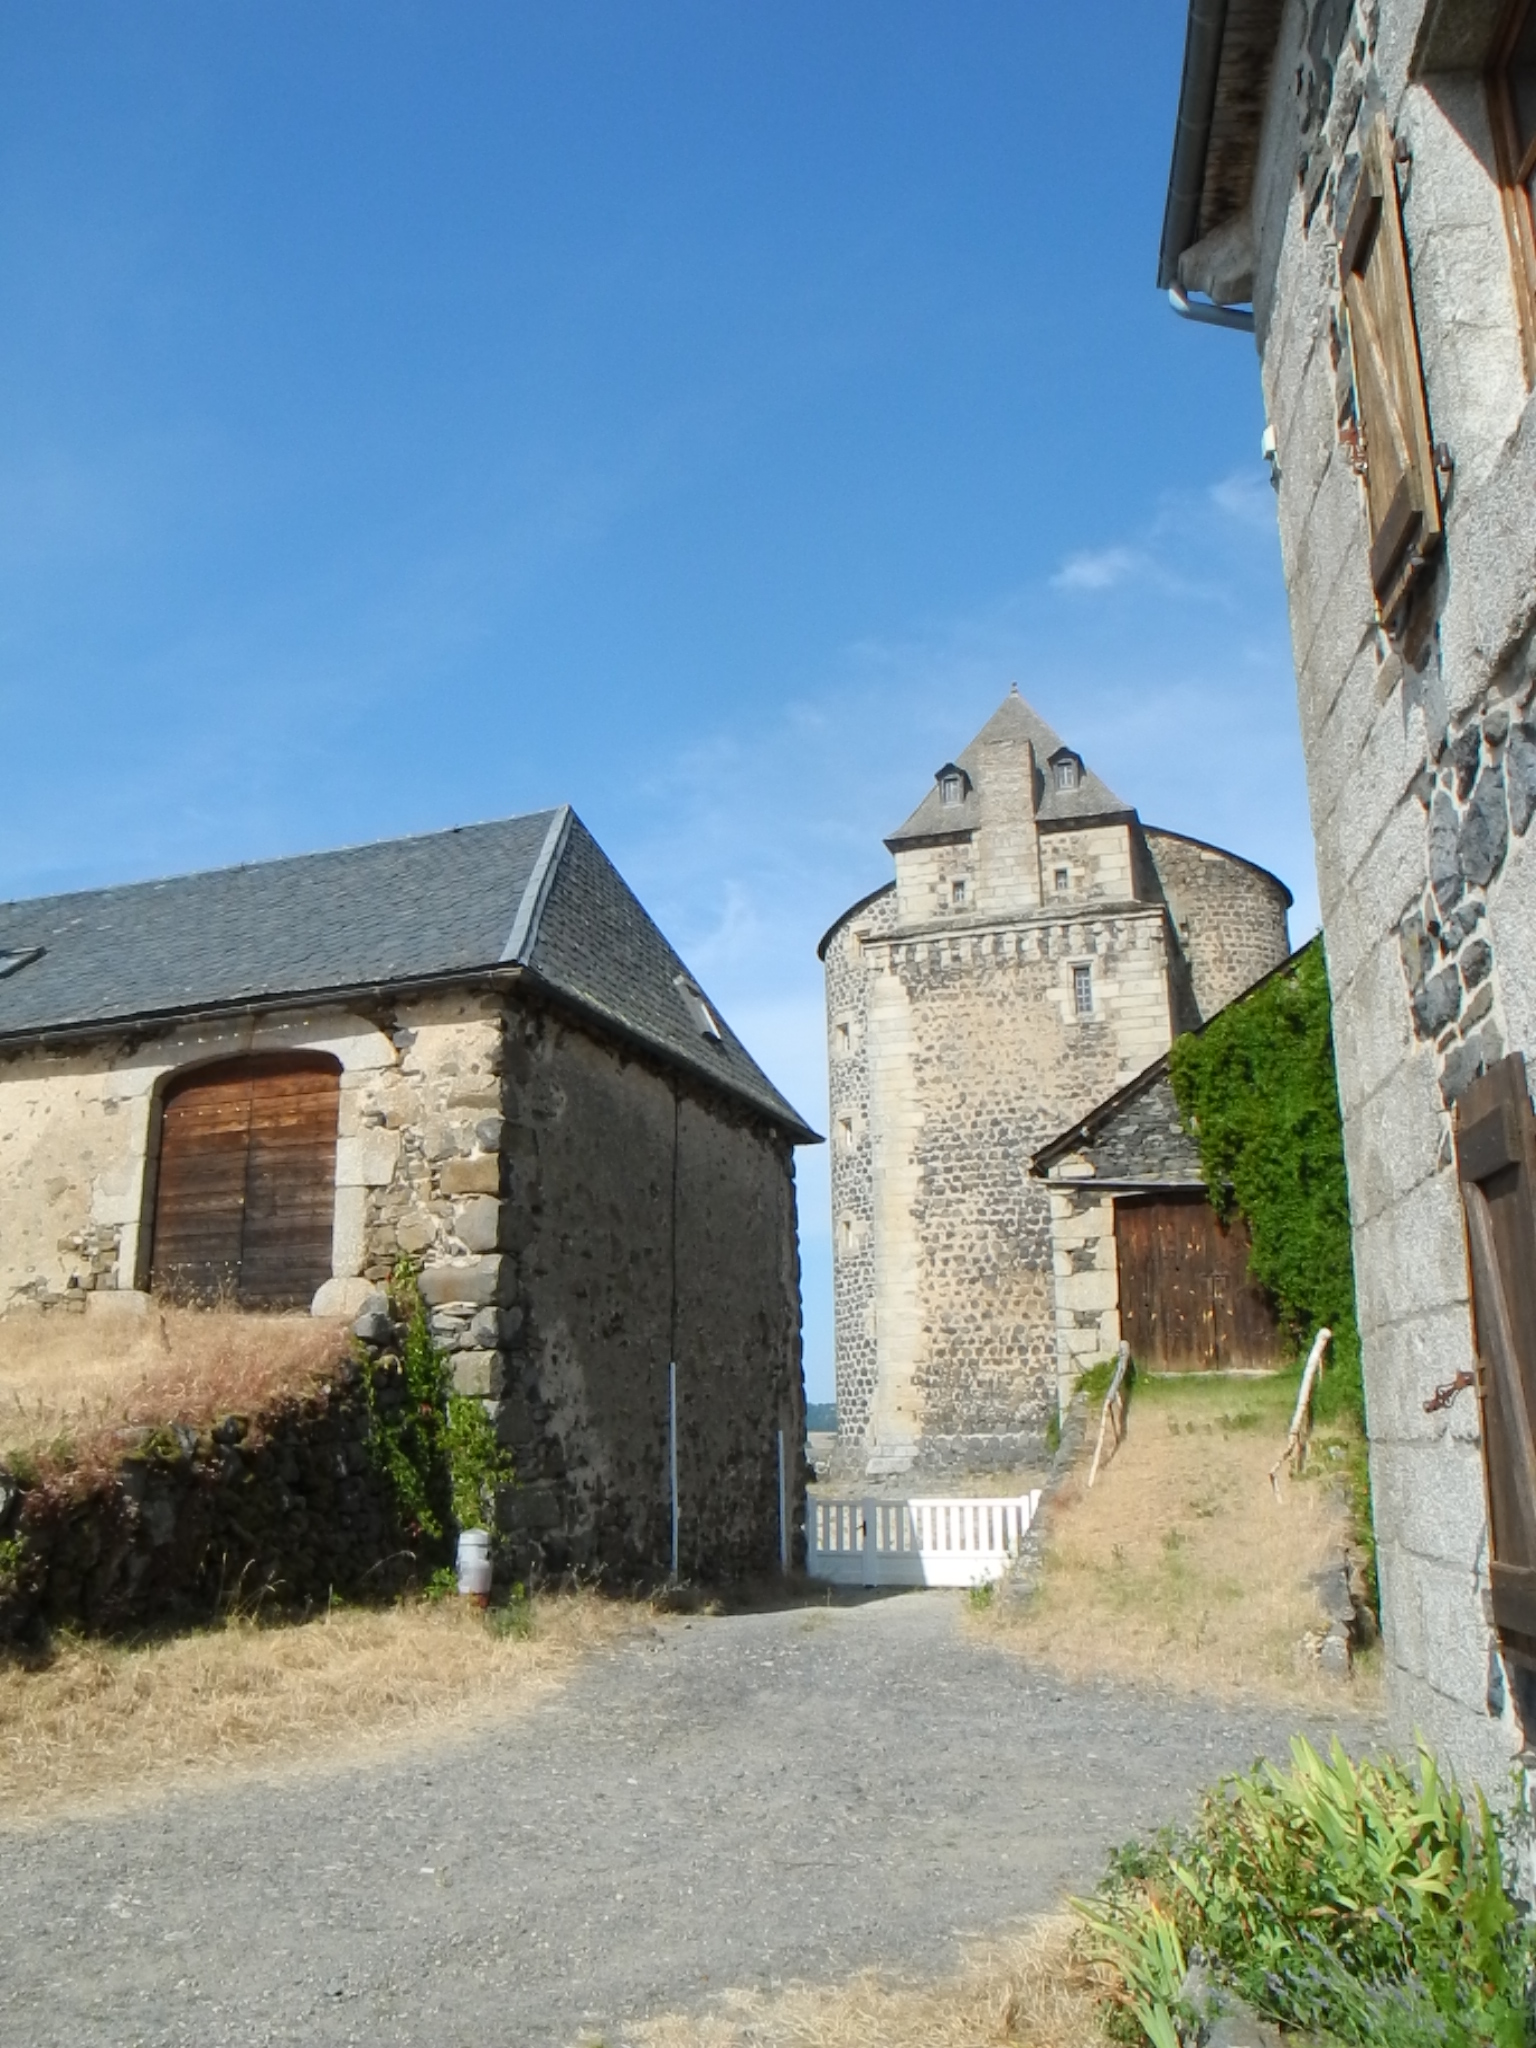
(955, 1541)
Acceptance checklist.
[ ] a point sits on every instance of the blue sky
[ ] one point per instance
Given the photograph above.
(698, 410)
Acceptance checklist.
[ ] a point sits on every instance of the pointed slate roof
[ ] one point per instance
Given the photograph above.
(533, 896)
(1012, 724)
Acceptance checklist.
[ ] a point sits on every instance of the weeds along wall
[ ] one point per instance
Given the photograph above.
(1258, 1091)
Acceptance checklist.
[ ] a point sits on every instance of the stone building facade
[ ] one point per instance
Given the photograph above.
(1358, 170)
(1038, 947)
(534, 1101)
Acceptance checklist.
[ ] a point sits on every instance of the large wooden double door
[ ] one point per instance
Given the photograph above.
(1186, 1302)
(245, 1197)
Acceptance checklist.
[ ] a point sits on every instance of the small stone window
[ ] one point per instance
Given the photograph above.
(698, 1008)
(842, 1040)
(957, 894)
(845, 1133)
(1063, 881)
(845, 1234)
(1067, 770)
(1082, 991)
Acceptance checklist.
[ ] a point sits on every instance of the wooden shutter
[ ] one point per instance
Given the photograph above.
(1401, 488)
(246, 1194)
(1496, 1161)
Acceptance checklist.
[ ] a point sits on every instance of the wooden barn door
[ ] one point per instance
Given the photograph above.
(1186, 1302)
(246, 1193)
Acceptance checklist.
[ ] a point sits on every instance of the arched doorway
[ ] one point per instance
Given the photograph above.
(245, 1196)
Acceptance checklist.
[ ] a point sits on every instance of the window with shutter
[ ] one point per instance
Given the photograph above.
(1402, 492)
(1512, 102)
(245, 1196)
(1496, 1162)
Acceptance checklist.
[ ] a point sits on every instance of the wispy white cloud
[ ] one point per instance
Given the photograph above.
(1100, 569)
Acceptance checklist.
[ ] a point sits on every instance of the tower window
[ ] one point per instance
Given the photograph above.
(957, 893)
(842, 1038)
(845, 1133)
(1063, 881)
(1066, 771)
(1082, 991)
(951, 790)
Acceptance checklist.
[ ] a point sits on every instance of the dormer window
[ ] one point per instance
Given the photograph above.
(14, 958)
(953, 783)
(1067, 771)
(707, 1023)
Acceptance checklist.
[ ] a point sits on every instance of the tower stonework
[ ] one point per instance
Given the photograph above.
(1037, 948)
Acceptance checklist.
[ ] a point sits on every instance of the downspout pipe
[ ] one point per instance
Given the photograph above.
(1197, 104)
(1208, 313)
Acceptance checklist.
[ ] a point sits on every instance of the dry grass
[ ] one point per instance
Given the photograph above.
(1182, 1566)
(1027, 1990)
(68, 1382)
(102, 1725)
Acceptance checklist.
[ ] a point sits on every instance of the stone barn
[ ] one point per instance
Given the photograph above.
(262, 1085)
(1038, 949)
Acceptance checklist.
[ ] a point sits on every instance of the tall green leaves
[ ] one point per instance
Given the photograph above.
(1366, 1902)
(1258, 1091)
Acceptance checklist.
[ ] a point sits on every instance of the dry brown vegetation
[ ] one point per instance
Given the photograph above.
(69, 1382)
(99, 1724)
(1183, 1565)
(1026, 1990)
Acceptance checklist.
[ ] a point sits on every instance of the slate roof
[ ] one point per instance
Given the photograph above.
(535, 894)
(1135, 1136)
(1011, 725)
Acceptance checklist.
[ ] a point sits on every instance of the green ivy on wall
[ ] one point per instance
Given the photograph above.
(438, 1447)
(1258, 1092)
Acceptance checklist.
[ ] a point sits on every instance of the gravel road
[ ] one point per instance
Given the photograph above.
(716, 1802)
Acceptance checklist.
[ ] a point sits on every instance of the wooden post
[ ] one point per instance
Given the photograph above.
(1122, 1365)
(1301, 1422)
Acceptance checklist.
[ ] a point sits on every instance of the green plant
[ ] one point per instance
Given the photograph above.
(1366, 1902)
(477, 1462)
(979, 1597)
(15, 1559)
(515, 1618)
(1257, 1089)
(437, 1448)
(1053, 1431)
(442, 1585)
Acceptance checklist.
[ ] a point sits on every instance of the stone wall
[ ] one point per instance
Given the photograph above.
(1419, 760)
(642, 1223)
(1230, 916)
(285, 1508)
(852, 1164)
(953, 1056)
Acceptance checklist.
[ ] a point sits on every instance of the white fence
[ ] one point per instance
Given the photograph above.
(956, 1541)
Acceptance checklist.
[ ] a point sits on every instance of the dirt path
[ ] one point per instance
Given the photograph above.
(717, 1802)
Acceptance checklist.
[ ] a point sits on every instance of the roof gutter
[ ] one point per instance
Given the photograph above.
(1186, 179)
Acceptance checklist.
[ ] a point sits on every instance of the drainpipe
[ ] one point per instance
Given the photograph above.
(1207, 312)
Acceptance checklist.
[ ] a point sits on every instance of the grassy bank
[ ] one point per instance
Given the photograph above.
(1183, 1565)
